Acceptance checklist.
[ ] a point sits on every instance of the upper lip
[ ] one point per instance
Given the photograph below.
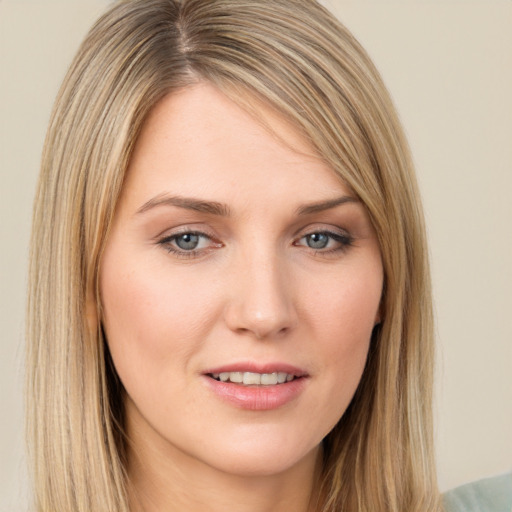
(254, 367)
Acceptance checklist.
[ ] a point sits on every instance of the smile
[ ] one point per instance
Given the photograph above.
(253, 379)
(257, 391)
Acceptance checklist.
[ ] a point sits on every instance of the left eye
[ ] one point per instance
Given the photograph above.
(317, 240)
(325, 240)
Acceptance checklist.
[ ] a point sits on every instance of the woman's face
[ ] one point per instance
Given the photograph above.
(236, 254)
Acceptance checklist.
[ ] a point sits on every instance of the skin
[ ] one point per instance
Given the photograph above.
(254, 291)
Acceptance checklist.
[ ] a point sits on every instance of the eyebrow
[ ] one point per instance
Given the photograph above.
(215, 208)
(325, 205)
(189, 203)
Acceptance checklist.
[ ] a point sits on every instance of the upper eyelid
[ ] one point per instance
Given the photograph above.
(186, 232)
(168, 242)
(171, 237)
(321, 228)
(175, 232)
(182, 230)
(331, 234)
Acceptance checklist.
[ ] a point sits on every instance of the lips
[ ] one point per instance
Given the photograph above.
(257, 387)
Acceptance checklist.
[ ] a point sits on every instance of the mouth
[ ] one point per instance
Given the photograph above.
(254, 379)
(257, 387)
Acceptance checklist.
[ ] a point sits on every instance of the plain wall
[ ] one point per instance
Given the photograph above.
(448, 65)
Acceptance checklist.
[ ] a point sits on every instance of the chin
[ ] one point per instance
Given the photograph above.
(253, 458)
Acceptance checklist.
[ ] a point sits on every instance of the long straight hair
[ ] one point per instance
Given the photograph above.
(295, 56)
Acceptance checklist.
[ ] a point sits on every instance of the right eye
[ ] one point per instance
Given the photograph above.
(188, 243)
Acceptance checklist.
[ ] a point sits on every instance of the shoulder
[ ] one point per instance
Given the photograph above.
(488, 495)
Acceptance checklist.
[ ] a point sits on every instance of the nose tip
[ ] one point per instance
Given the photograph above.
(261, 324)
(261, 304)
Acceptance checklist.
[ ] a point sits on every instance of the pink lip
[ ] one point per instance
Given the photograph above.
(257, 398)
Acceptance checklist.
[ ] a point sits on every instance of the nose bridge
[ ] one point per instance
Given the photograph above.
(262, 301)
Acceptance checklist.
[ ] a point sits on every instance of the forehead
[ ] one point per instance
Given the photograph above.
(199, 141)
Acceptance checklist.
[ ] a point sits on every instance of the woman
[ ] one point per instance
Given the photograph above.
(230, 297)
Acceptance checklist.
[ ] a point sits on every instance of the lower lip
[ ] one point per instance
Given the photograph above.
(257, 398)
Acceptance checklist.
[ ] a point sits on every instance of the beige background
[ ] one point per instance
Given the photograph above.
(448, 64)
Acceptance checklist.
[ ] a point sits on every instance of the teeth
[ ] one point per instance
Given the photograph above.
(236, 377)
(281, 377)
(254, 379)
(269, 379)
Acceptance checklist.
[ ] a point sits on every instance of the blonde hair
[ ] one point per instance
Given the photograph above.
(299, 59)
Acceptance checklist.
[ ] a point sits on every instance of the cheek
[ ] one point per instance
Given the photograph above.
(153, 320)
(343, 315)
(346, 308)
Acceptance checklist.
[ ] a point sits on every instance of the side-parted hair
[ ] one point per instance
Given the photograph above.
(297, 58)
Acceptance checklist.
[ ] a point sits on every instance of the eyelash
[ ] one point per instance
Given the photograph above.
(344, 242)
(167, 242)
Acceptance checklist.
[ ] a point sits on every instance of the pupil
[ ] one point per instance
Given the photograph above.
(188, 241)
(318, 240)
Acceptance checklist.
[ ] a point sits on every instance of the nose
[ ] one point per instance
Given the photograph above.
(261, 301)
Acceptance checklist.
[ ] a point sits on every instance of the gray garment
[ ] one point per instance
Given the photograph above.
(488, 495)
